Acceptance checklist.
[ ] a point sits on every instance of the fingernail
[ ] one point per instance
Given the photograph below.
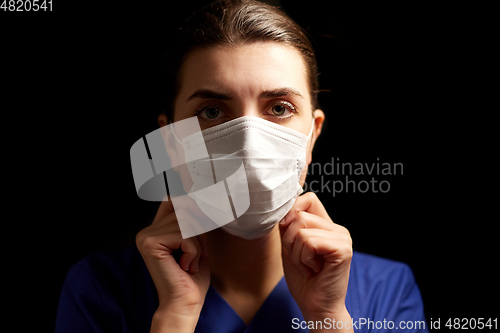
(282, 221)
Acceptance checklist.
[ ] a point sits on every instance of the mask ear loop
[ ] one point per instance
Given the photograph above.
(306, 186)
(176, 137)
(311, 131)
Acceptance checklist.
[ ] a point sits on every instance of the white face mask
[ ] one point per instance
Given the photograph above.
(273, 157)
(242, 175)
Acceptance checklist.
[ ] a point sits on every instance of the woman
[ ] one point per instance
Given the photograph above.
(233, 62)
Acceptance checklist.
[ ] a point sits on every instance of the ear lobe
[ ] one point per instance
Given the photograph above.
(162, 120)
(319, 119)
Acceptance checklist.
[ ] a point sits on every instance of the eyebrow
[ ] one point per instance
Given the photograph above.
(280, 92)
(212, 94)
(207, 93)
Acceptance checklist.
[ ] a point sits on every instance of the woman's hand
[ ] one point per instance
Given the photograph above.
(182, 286)
(316, 259)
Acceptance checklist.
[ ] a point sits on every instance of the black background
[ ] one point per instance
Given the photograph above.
(83, 85)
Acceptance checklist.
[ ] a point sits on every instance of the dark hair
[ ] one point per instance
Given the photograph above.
(233, 23)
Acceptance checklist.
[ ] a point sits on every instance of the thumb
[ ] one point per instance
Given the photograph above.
(166, 207)
(283, 226)
(288, 265)
(204, 243)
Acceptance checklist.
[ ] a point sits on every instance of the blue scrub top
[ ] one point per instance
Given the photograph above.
(114, 292)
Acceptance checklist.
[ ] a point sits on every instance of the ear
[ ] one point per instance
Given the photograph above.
(168, 140)
(319, 119)
(162, 120)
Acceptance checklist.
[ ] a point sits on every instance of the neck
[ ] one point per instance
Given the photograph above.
(247, 266)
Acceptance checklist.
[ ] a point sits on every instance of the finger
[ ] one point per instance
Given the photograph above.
(165, 208)
(192, 251)
(204, 265)
(289, 231)
(189, 250)
(308, 202)
(166, 224)
(203, 262)
(288, 265)
(312, 221)
(308, 255)
(333, 252)
(187, 203)
(194, 266)
(296, 257)
(204, 244)
(302, 220)
(181, 202)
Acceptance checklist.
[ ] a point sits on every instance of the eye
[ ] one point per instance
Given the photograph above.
(278, 109)
(211, 112)
(282, 109)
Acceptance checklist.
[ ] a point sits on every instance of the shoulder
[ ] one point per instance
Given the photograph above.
(107, 285)
(110, 274)
(372, 274)
(101, 270)
(109, 264)
(373, 268)
(383, 288)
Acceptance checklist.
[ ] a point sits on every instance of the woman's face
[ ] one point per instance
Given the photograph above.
(267, 80)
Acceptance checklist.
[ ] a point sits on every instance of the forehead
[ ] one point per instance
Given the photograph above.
(245, 69)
